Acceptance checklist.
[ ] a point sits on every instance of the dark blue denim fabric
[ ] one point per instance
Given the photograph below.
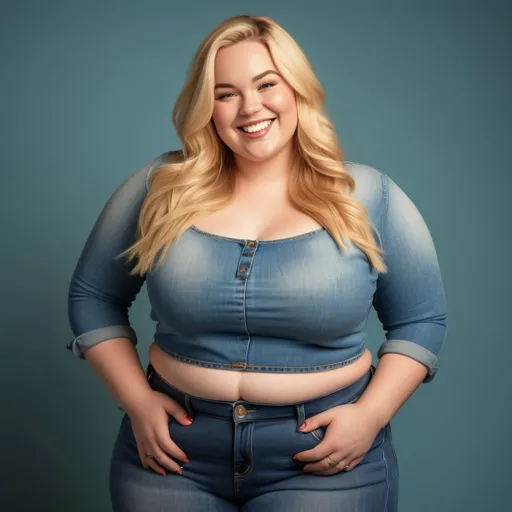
(241, 459)
(295, 304)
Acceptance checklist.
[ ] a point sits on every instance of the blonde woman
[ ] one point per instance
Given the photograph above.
(263, 252)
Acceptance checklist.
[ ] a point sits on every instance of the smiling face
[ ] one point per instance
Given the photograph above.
(250, 89)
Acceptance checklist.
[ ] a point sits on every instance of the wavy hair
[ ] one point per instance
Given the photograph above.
(199, 179)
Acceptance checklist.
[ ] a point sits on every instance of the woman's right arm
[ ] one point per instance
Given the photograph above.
(101, 293)
(116, 363)
(101, 290)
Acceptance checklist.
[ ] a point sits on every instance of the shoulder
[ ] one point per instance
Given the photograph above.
(155, 163)
(371, 186)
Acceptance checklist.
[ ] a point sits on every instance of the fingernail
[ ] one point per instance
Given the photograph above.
(189, 418)
(303, 426)
(186, 459)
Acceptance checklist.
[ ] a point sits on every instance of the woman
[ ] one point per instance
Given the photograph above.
(260, 394)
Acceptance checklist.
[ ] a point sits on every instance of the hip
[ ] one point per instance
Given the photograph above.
(242, 452)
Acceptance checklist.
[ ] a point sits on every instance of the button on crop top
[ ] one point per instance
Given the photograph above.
(295, 304)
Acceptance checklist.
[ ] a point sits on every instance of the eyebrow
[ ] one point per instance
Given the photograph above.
(255, 79)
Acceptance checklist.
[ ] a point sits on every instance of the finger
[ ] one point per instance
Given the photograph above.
(159, 469)
(341, 467)
(320, 451)
(331, 470)
(169, 447)
(164, 460)
(150, 463)
(176, 411)
(322, 419)
(324, 466)
(355, 462)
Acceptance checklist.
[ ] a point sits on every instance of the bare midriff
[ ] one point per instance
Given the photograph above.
(262, 387)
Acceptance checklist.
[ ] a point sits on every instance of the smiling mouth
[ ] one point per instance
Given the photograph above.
(261, 126)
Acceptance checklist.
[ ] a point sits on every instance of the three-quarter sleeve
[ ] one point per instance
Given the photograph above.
(101, 290)
(410, 298)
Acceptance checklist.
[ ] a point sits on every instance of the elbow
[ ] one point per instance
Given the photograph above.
(93, 319)
(81, 342)
(421, 340)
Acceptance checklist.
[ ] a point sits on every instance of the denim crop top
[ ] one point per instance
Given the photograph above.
(295, 304)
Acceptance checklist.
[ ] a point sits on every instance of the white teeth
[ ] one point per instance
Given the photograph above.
(256, 127)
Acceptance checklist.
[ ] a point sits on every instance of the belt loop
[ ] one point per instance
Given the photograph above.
(301, 415)
(189, 406)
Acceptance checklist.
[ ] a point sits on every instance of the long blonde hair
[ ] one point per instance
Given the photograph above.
(199, 178)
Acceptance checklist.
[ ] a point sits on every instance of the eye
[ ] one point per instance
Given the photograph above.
(271, 84)
(222, 96)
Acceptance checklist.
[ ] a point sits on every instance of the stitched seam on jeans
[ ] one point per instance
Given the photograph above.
(394, 452)
(249, 442)
(387, 470)
(314, 433)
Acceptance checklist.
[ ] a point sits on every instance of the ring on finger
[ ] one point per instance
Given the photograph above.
(149, 455)
(332, 463)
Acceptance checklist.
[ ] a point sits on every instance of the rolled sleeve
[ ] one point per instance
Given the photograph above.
(101, 290)
(410, 299)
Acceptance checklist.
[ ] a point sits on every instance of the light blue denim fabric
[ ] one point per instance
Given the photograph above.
(241, 459)
(295, 304)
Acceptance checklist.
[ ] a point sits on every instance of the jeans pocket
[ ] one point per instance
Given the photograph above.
(207, 438)
(318, 433)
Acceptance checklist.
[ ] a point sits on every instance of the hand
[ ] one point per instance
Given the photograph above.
(150, 425)
(350, 433)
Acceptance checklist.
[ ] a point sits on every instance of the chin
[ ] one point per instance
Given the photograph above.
(260, 155)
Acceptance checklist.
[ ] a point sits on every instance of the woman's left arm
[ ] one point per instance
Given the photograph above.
(395, 379)
(410, 303)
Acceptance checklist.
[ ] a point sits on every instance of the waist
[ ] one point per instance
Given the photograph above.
(241, 410)
(259, 353)
(264, 387)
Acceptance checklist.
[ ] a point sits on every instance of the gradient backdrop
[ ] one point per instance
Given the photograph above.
(418, 89)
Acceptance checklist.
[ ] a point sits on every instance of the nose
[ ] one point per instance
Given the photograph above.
(250, 105)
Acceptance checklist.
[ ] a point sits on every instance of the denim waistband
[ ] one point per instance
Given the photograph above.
(243, 410)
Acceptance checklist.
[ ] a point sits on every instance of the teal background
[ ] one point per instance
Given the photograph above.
(419, 90)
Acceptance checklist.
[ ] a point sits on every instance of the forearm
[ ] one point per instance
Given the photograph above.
(395, 379)
(117, 364)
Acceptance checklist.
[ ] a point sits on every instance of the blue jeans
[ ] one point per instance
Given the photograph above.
(241, 459)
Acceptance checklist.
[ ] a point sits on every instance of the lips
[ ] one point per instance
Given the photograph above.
(252, 123)
(260, 134)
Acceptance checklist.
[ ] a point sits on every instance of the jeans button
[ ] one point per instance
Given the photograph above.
(241, 411)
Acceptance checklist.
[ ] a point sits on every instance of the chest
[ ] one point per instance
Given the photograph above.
(258, 218)
(301, 287)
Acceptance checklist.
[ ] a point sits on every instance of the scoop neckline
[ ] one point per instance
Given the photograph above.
(193, 227)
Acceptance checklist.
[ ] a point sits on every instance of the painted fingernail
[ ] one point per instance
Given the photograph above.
(186, 459)
(189, 418)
